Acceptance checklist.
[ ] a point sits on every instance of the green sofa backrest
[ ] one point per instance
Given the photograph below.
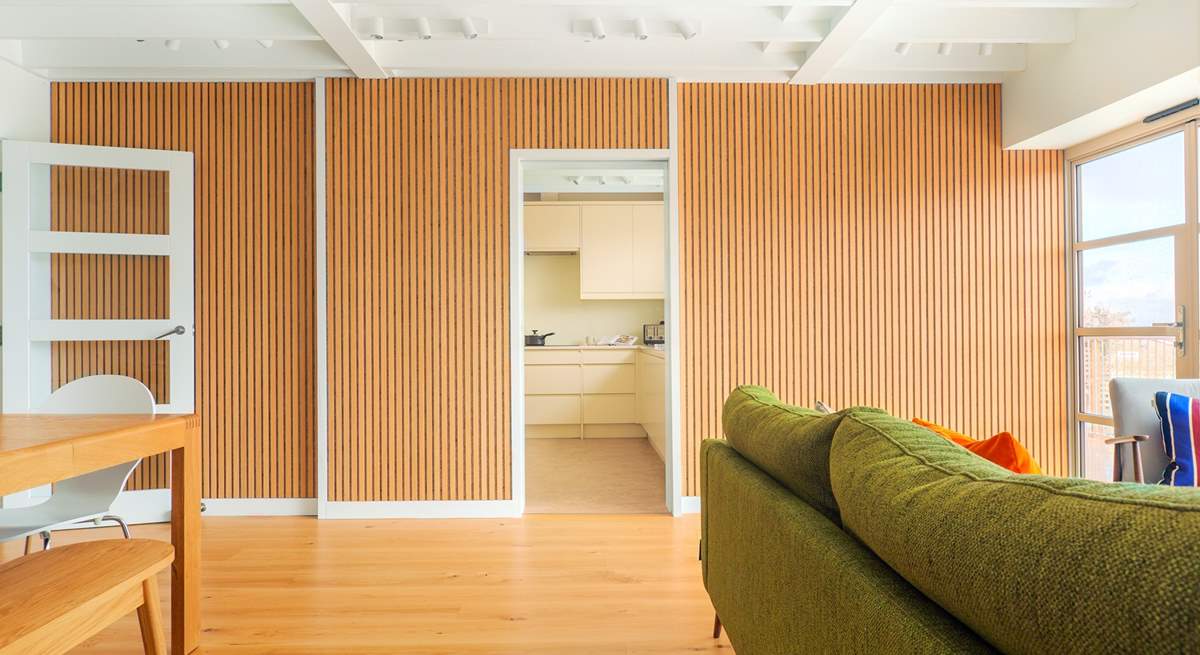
(1031, 563)
(790, 443)
(786, 580)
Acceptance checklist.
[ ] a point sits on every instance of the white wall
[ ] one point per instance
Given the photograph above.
(552, 304)
(24, 115)
(1123, 65)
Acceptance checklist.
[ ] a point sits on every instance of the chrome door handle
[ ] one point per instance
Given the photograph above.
(178, 329)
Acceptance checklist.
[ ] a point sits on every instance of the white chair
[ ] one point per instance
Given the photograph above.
(1135, 421)
(87, 497)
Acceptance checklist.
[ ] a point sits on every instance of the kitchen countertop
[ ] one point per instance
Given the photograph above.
(647, 349)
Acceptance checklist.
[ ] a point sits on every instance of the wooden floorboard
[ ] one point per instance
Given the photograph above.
(541, 584)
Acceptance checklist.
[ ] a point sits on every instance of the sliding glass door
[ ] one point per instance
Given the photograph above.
(1136, 269)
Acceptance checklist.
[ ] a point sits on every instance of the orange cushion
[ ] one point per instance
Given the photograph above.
(1002, 449)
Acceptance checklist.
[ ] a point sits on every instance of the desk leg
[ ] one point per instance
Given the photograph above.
(185, 534)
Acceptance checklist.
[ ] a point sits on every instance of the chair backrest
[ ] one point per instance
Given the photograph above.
(1134, 413)
(101, 394)
(98, 394)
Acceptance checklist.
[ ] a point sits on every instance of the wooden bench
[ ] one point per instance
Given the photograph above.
(53, 600)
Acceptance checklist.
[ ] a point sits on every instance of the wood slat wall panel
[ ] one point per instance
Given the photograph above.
(871, 245)
(255, 368)
(418, 267)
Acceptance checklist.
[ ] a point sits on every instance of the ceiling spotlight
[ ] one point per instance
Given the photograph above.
(423, 29)
(945, 48)
(266, 43)
(375, 28)
(574, 180)
(222, 44)
(598, 32)
(602, 180)
(903, 48)
(639, 29)
(687, 29)
(468, 28)
(173, 44)
(985, 49)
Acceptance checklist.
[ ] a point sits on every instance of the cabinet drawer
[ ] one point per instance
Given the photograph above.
(552, 379)
(623, 356)
(609, 378)
(552, 356)
(551, 409)
(610, 408)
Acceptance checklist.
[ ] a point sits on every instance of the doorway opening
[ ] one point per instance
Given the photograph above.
(591, 308)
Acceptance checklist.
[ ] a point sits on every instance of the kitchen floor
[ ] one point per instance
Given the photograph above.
(593, 476)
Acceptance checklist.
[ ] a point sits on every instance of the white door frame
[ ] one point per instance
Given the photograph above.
(517, 157)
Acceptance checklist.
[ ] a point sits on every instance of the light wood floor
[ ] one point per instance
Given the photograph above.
(541, 584)
(593, 476)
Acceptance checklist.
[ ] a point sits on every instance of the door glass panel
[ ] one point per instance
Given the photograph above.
(1097, 455)
(1128, 284)
(1104, 358)
(1136, 189)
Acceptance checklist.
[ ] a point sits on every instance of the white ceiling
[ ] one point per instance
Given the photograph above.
(804, 41)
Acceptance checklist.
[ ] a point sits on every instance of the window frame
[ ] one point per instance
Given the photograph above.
(1186, 237)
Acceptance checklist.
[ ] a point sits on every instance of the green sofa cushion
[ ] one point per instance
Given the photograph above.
(784, 579)
(1031, 563)
(790, 443)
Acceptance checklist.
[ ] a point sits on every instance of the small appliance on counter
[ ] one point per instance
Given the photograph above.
(536, 339)
(654, 334)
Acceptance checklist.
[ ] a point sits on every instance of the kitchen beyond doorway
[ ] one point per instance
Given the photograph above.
(593, 273)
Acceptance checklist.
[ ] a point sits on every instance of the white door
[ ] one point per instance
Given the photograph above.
(28, 243)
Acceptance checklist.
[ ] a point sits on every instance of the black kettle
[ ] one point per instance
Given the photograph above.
(536, 339)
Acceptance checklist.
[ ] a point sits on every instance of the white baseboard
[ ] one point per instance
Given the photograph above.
(691, 504)
(421, 509)
(260, 506)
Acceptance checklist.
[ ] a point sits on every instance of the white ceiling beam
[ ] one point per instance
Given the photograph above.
(603, 57)
(844, 33)
(157, 22)
(1023, 4)
(918, 24)
(341, 37)
(879, 56)
(84, 54)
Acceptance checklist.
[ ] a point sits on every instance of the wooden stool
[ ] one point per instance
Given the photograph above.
(53, 600)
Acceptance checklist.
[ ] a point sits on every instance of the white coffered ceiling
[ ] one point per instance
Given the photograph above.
(804, 41)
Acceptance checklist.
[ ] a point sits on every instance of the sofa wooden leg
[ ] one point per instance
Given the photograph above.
(716, 626)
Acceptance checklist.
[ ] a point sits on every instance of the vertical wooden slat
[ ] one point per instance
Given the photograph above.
(419, 260)
(254, 271)
(904, 260)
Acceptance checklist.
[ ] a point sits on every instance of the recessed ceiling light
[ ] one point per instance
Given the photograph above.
(173, 44)
(221, 44)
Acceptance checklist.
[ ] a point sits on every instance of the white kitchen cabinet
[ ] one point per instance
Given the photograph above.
(609, 378)
(552, 380)
(551, 227)
(652, 398)
(592, 390)
(649, 250)
(552, 410)
(605, 251)
(610, 408)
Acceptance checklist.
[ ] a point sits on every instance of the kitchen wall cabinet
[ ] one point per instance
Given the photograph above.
(621, 245)
(551, 227)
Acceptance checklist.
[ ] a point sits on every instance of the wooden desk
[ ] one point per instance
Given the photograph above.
(40, 449)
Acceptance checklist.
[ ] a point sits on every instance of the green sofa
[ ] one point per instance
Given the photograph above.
(859, 532)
